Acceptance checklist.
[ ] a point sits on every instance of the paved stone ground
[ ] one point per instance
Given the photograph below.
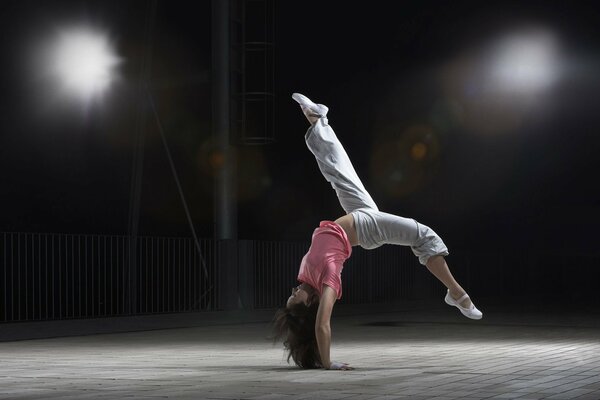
(400, 355)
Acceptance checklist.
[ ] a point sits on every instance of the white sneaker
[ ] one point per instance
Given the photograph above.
(316, 110)
(471, 312)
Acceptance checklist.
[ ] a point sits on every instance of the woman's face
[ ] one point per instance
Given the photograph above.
(298, 296)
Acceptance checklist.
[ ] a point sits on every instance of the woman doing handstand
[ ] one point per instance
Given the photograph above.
(304, 323)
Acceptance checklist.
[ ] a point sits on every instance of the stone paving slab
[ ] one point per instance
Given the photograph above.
(396, 356)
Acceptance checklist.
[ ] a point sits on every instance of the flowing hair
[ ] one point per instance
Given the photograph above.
(296, 325)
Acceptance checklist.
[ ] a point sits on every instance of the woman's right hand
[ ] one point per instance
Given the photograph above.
(340, 366)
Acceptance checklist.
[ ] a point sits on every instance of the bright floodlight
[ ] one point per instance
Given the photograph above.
(82, 62)
(525, 62)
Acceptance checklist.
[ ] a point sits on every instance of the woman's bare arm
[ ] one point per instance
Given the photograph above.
(323, 328)
(322, 324)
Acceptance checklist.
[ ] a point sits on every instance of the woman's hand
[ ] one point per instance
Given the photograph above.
(340, 366)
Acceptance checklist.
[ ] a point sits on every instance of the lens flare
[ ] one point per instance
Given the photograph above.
(525, 61)
(80, 62)
(418, 151)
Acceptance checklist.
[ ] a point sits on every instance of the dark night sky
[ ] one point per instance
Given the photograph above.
(514, 171)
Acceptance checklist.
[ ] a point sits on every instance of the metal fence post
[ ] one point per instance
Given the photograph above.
(227, 288)
(246, 274)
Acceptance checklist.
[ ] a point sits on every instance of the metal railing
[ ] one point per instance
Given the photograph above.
(63, 276)
(390, 273)
(47, 276)
(276, 267)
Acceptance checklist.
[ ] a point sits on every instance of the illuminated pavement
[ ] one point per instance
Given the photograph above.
(437, 355)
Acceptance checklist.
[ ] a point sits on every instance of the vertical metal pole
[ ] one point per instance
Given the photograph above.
(123, 241)
(164, 276)
(47, 287)
(225, 207)
(26, 277)
(20, 289)
(225, 191)
(111, 290)
(72, 275)
(188, 271)
(79, 274)
(93, 276)
(60, 267)
(39, 253)
(87, 285)
(177, 281)
(5, 251)
(138, 159)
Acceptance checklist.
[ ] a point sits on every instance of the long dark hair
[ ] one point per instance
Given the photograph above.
(296, 325)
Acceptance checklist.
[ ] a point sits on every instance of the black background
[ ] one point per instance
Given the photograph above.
(377, 65)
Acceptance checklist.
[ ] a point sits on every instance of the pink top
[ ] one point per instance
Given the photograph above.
(323, 263)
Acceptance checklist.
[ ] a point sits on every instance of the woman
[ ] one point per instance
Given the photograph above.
(305, 321)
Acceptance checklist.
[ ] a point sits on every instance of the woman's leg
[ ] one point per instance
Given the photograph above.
(332, 159)
(373, 227)
(377, 228)
(336, 167)
(438, 267)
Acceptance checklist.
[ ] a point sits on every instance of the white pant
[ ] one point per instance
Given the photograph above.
(373, 227)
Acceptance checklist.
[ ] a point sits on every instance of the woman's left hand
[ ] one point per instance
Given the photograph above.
(340, 366)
